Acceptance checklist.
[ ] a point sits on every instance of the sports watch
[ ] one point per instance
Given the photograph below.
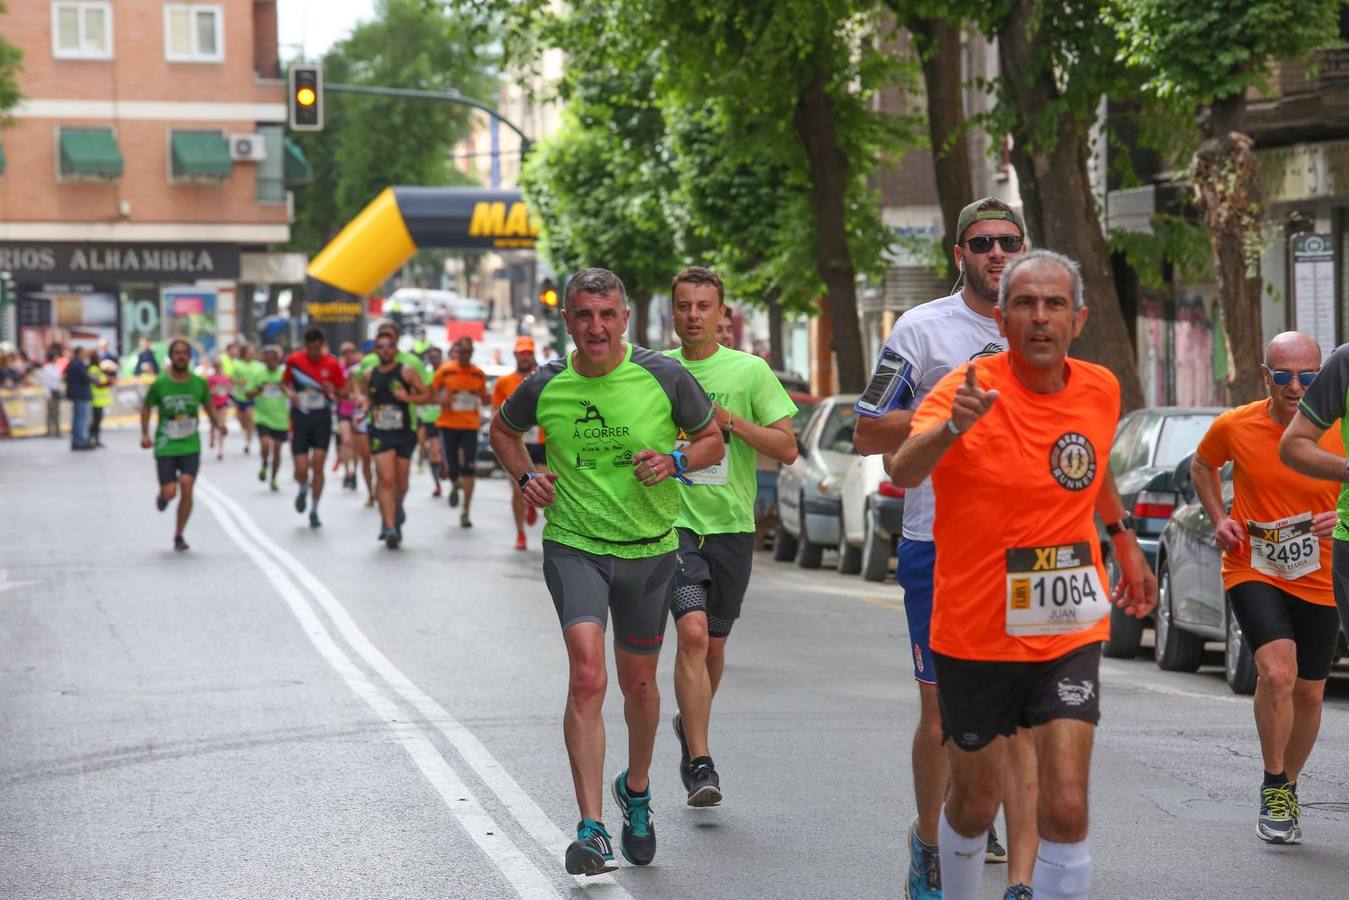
(681, 464)
(526, 479)
(1124, 524)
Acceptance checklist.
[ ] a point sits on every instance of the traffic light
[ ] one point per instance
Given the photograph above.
(305, 103)
(548, 295)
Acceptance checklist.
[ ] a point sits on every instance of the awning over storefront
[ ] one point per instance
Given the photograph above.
(200, 154)
(90, 153)
(297, 170)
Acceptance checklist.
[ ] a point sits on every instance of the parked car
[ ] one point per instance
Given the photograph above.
(1191, 604)
(809, 489)
(872, 513)
(766, 468)
(1148, 444)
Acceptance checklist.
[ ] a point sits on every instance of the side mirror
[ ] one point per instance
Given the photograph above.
(1183, 481)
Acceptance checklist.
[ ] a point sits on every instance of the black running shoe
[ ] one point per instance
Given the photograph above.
(684, 758)
(262, 473)
(638, 840)
(592, 853)
(454, 495)
(160, 503)
(704, 785)
(314, 519)
(301, 500)
(995, 852)
(399, 517)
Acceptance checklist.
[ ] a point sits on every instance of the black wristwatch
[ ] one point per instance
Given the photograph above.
(1124, 524)
(526, 479)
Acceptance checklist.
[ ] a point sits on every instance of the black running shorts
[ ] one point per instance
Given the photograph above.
(170, 468)
(1266, 614)
(461, 450)
(276, 434)
(983, 700)
(310, 431)
(722, 562)
(402, 442)
(586, 587)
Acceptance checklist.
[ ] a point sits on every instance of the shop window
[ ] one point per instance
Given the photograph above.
(271, 170)
(194, 33)
(81, 30)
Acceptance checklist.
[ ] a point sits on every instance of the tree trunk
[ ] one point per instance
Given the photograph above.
(938, 43)
(776, 349)
(814, 119)
(1227, 195)
(641, 318)
(1057, 198)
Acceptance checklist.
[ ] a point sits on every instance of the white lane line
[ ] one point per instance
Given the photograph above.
(519, 804)
(517, 868)
(1124, 679)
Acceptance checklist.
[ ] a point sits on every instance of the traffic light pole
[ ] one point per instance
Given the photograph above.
(444, 96)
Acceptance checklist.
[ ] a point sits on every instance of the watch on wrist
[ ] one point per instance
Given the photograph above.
(681, 464)
(951, 427)
(1124, 524)
(526, 479)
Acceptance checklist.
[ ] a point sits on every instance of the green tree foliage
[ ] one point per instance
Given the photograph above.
(11, 60)
(370, 142)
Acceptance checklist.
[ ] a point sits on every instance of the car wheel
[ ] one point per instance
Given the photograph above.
(1237, 658)
(876, 551)
(808, 555)
(849, 557)
(1126, 632)
(784, 544)
(1177, 650)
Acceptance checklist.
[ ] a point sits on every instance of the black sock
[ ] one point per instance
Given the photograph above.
(699, 761)
(627, 785)
(1275, 780)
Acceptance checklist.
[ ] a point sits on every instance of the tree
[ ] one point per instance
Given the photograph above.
(1203, 55)
(370, 142)
(11, 59)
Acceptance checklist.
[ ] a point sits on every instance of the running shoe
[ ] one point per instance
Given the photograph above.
(684, 758)
(390, 537)
(531, 515)
(704, 784)
(399, 517)
(1018, 892)
(246, 450)
(520, 540)
(463, 520)
(370, 501)
(592, 853)
(1278, 822)
(996, 852)
(179, 544)
(302, 499)
(274, 486)
(314, 519)
(454, 495)
(924, 881)
(160, 503)
(638, 840)
(436, 491)
(262, 473)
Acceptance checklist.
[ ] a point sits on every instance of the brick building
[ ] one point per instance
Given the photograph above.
(144, 172)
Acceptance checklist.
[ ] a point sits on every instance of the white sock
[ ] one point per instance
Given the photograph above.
(962, 862)
(1062, 871)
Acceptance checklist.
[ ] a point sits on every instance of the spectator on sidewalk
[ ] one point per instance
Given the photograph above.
(145, 361)
(102, 374)
(50, 376)
(79, 391)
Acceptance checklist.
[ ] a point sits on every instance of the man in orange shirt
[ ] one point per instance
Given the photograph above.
(461, 388)
(525, 364)
(1016, 445)
(1276, 569)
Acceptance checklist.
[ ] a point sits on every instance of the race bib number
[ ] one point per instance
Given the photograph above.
(714, 474)
(387, 418)
(463, 401)
(312, 400)
(1053, 590)
(180, 427)
(1286, 549)
(271, 390)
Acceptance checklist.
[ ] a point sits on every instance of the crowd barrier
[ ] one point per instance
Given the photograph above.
(23, 411)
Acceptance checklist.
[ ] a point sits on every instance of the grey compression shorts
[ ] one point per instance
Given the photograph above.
(587, 586)
(721, 563)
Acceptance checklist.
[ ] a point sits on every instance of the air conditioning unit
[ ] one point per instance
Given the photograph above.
(247, 148)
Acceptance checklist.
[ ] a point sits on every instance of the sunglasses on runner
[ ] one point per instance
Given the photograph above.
(982, 243)
(1283, 377)
(379, 347)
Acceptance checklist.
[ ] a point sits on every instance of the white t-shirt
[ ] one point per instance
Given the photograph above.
(935, 338)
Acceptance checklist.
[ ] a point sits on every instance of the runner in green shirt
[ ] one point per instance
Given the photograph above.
(180, 397)
(612, 413)
(242, 371)
(716, 513)
(271, 410)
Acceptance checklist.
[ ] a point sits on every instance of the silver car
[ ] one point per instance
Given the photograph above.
(809, 490)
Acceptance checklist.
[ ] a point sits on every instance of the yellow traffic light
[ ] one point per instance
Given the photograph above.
(306, 96)
(305, 104)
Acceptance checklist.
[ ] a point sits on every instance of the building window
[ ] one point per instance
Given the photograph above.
(81, 30)
(194, 33)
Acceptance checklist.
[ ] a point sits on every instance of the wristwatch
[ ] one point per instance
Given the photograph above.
(681, 464)
(526, 479)
(1124, 524)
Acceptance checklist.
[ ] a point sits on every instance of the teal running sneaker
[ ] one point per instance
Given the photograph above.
(1019, 892)
(638, 840)
(924, 881)
(592, 853)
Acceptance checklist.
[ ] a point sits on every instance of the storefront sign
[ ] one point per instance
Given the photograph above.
(1314, 288)
(119, 262)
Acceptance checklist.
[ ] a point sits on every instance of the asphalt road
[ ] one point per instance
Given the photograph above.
(287, 712)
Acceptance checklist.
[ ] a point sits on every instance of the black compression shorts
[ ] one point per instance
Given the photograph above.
(170, 468)
(311, 431)
(1266, 614)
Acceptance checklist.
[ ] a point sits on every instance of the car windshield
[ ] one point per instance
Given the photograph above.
(1180, 435)
(803, 413)
(838, 428)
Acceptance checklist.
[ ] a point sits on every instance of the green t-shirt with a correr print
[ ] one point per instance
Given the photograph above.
(179, 404)
(595, 426)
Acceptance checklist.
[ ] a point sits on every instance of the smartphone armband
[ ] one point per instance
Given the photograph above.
(891, 386)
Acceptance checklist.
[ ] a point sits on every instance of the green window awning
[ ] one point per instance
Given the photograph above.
(297, 165)
(2, 159)
(200, 154)
(90, 152)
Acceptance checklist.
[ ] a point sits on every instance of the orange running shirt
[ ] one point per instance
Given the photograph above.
(464, 385)
(1265, 491)
(506, 386)
(1014, 526)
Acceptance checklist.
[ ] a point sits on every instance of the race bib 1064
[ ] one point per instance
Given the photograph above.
(1286, 548)
(1053, 590)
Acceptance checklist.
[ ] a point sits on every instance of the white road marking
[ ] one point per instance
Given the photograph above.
(517, 868)
(522, 808)
(7, 585)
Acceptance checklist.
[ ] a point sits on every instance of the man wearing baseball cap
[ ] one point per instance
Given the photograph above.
(928, 342)
(525, 364)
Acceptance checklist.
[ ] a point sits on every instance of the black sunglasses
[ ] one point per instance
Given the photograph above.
(982, 243)
(1283, 377)
(383, 347)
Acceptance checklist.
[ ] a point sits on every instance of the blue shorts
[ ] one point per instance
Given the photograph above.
(914, 572)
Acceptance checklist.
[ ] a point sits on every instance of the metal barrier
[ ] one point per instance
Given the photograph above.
(25, 409)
